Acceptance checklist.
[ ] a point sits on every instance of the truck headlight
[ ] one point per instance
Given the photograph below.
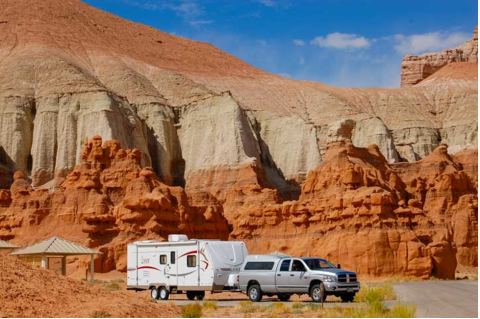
(329, 278)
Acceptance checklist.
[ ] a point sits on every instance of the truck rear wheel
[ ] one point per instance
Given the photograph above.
(191, 295)
(317, 293)
(255, 293)
(284, 297)
(164, 293)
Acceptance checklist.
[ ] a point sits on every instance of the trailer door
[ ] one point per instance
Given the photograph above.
(132, 263)
(173, 268)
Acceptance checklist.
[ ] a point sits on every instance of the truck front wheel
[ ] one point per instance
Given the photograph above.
(317, 293)
(255, 293)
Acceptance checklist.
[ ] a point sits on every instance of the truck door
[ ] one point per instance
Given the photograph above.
(282, 277)
(298, 282)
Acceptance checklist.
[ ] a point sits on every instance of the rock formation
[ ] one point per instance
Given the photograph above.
(417, 68)
(213, 140)
(107, 202)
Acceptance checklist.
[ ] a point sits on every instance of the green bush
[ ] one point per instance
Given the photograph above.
(403, 311)
(210, 305)
(191, 311)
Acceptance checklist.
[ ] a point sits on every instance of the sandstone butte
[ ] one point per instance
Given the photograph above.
(112, 131)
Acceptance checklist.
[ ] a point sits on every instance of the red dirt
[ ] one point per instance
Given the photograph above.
(28, 292)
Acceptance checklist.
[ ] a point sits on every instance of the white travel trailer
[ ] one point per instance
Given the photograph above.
(184, 266)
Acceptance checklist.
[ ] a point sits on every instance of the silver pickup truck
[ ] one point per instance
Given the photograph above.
(285, 275)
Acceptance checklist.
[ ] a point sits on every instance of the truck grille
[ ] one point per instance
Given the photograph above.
(347, 278)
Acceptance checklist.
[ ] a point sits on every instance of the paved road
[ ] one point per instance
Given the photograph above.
(441, 299)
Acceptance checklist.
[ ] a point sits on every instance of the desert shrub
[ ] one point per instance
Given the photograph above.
(100, 314)
(403, 311)
(192, 311)
(210, 305)
(248, 307)
(112, 286)
(298, 305)
(380, 292)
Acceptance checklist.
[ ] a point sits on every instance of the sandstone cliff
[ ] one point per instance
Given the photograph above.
(229, 147)
(67, 65)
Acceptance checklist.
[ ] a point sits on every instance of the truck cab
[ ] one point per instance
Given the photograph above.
(284, 276)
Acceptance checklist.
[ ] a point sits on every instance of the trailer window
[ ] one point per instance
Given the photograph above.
(192, 261)
(172, 257)
(259, 265)
(163, 259)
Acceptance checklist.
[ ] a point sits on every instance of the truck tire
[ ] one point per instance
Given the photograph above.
(200, 295)
(317, 293)
(284, 297)
(255, 293)
(347, 297)
(191, 295)
(154, 293)
(164, 293)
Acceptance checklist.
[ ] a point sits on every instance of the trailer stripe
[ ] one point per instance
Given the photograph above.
(190, 252)
(148, 267)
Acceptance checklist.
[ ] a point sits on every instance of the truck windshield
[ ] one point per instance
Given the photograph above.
(318, 264)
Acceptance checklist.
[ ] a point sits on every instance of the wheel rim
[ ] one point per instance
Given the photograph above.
(154, 293)
(316, 293)
(163, 293)
(254, 293)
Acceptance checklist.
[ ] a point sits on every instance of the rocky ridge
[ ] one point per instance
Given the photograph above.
(248, 148)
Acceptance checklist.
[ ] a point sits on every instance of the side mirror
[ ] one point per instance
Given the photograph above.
(338, 266)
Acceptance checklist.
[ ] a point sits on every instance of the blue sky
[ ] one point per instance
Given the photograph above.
(343, 43)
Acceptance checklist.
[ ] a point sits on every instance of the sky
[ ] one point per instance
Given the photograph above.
(355, 43)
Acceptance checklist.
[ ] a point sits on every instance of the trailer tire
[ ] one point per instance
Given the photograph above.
(200, 295)
(154, 293)
(163, 293)
(284, 297)
(191, 295)
(317, 293)
(255, 293)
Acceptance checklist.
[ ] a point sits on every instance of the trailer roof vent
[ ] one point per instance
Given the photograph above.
(177, 237)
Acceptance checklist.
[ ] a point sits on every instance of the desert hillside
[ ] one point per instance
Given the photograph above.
(112, 131)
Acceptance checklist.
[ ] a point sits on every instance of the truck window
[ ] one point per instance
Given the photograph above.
(285, 265)
(163, 259)
(172, 257)
(259, 265)
(297, 265)
(191, 261)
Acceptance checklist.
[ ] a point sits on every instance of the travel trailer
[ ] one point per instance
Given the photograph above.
(184, 266)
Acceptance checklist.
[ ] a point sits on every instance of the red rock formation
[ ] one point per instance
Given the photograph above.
(417, 68)
(107, 202)
(416, 219)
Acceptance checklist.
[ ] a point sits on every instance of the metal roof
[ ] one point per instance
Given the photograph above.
(7, 245)
(55, 246)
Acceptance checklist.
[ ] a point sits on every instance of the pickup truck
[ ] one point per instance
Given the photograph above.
(284, 276)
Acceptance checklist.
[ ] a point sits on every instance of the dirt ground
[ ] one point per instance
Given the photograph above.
(35, 292)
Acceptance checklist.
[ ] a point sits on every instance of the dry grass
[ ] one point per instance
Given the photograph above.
(100, 314)
(191, 311)
(210, 305)
(383, 291)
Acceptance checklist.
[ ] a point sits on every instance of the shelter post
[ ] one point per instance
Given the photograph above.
(64, 265)
(92, 269)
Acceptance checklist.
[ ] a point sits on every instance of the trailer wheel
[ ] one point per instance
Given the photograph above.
(191, 295)
(284, 297)
(200, 295)
(255, 293)
(164, 293)
(154, 293)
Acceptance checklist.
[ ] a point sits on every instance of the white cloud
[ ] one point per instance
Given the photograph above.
(299, 43)
(198, 23)
(428, 42)
(263, 43)
(302, 61)
(187, 9)
(341, 41)
(268, 3)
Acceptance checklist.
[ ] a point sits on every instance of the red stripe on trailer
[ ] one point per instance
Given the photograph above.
(189, 253)
(148, 267)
